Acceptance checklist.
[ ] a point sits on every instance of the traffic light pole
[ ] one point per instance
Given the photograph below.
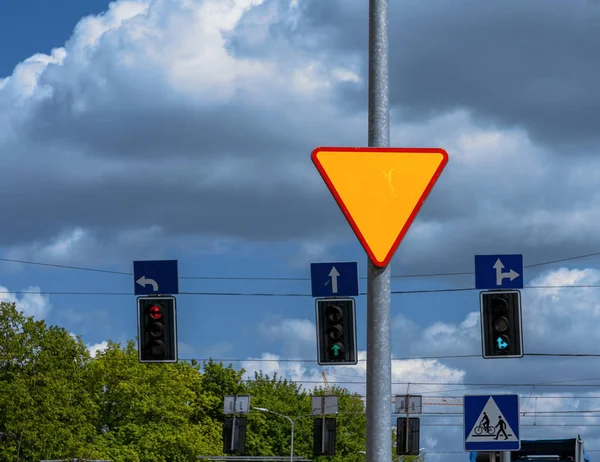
(233, 424)
(379, 364)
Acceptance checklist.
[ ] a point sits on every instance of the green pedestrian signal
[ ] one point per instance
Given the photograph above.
(336, 331)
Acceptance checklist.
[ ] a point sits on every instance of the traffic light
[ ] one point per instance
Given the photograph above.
(336, 331)
(324, 433)
(157, 330)
(407, 443)
(234, 435)
(501, 327)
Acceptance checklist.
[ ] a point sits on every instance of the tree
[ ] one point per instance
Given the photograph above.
(351, 426)
(43, 396)
(150, 412)
(269, 434)
(61, 403)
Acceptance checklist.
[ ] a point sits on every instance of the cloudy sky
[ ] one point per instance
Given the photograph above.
(182, 129)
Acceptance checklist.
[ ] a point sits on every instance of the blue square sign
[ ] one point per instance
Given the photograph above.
(155, 277)
(498, 271)
(491, 423)
(334, 279)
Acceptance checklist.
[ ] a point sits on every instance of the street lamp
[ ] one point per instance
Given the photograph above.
(292, 421)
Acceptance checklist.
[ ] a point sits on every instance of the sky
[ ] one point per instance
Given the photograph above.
(182, 129)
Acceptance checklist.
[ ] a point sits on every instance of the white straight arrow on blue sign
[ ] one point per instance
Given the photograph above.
(336, 279)
(333, 274)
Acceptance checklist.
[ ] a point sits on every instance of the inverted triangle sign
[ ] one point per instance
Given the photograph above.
(380, 190)
(498, 428)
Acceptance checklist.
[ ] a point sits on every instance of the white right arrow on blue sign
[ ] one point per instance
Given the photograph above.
(494, 428)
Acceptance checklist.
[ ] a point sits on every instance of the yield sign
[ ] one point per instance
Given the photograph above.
(380, 190)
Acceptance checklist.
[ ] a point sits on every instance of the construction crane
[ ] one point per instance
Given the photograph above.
(440, 401)
(327, 387)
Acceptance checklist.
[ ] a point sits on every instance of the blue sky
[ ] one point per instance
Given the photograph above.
(36, 26)
(155, 129)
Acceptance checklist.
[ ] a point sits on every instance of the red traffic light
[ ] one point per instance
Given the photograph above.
(156, 312)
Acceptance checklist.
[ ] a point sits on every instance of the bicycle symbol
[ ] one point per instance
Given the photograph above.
(479, 429)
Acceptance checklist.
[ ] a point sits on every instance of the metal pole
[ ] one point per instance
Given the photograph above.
(505, 456)
(407, 422)
(379, 370)
(233, 424)
(292, 441)
(323, 425)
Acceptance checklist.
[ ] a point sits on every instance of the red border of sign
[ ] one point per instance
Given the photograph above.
(345, 211)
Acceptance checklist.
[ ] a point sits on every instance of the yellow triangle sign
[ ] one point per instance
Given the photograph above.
(380, 190)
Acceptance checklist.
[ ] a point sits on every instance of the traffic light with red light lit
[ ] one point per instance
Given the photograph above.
(336, 331)
(157, 330)
(501, 326)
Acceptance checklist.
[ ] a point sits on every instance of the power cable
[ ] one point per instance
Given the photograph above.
(245, 278)
(269, 294)
(406, 358)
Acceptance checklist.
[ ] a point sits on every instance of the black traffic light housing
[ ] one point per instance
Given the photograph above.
(407, 436)
(157, 329)
(324, 436)
(336, 331)
(238, 435)
(501, 325)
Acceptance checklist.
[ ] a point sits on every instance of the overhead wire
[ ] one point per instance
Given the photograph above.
(271, 294)
(258, 278)
(406, 358)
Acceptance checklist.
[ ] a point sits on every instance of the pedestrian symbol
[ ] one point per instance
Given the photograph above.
(491, 425)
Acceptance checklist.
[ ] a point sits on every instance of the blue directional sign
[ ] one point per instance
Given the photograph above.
(498, 271)
(155, 277)
(334, 279)
(491, 423)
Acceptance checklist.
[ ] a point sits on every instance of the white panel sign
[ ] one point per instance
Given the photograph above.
(330, 403)
(317, 405)
(242, 404)
(414, 402)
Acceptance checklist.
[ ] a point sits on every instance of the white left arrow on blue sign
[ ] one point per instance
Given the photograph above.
(143, 281)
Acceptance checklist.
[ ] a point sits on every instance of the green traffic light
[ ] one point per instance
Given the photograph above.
(337, 349)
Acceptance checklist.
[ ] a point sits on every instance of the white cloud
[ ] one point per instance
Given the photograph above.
(554, 320)
(301, 329)
(171, 94)
(32, 303)
(97, 347)
(297, 336)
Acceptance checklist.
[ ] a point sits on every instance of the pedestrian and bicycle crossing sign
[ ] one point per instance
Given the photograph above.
(491, 423)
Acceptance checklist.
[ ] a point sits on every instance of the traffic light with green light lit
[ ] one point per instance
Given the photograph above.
(336, 331)
(157, 330)
(501, 326)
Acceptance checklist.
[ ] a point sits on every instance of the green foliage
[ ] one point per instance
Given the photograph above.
(61, 403)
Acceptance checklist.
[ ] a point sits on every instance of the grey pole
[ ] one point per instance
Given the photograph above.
(379, 364)
(505, 456)
(292, 441)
